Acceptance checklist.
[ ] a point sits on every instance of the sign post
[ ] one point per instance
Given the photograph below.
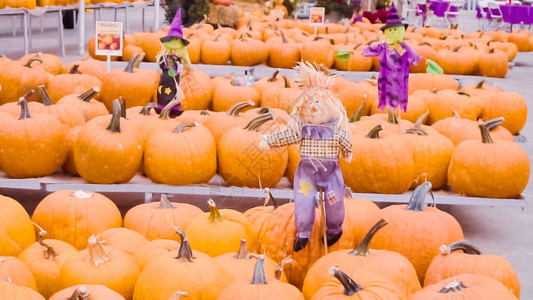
(109, 40)
(316, 17)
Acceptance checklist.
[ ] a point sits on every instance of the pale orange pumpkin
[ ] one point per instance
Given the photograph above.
(155, 249)
(16, 229)
(71, 83)
(123, 239)
(87, 292)
(17, 271)
(12, 291)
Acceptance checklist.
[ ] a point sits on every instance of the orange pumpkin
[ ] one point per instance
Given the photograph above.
(155, 249)
(17, 271)
(63, 214)
(18, 78)
(87, 66)
(156, 220)
(509, 105)
(72, 83)
(51, 63)
(445, 102)
(318, 51)
(16, 232)
(227, 95)
(247, 51)
(431, 81)
(284, 54)
(12, 291)
(493, 63)
(70, 116)
(87, 292)
(281, 97)
(123, 239)
(86, 102)
(458, 130)
(215, 51)
(197, 88)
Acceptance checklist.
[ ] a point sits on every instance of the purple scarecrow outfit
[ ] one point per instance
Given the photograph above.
(393, 77)
(319, 123)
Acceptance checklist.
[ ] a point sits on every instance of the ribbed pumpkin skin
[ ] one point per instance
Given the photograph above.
(46, 270)
(431, 81)
(16, 80)
(445, 102)
(477, 287)
(17, 271)
(499, 170)
(123, 239)
(509, 105)
(96, 292)
(197, 89)
(89, 66)
(51, 63)
(66, 84)
(460, 130)
(73, 216)
(16, 229)
(456, 263)
(154, 249)
(228, 95)
(181, 158)
(136, 87)
(272, 290)
(11, 291)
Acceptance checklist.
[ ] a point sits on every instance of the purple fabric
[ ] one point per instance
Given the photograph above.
(516, 14)
(175, 27)
(478, 13)
(358, 19)
(487, 12)
(317, 132)
(393, 74)
(308, 179)
(175, 107)
(439, 7)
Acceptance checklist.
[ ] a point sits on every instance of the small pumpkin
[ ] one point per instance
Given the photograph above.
(18, 78)
(70, 116)
(17, 271)
(86, 101)
(88, 66)
(319, 51)
(123, 239)
(87, 292)
(215, 51)
(219, 231)
(459, 130)
(284, 54)
(155, 249)
(246, 51)
(227, 95)
(197, 88)
(51, 63)
(493, 63)
(509, 105)
(156, 220)
(12, 291)
(445, 102)
(431, 81)
(72, 208)
(73, 82)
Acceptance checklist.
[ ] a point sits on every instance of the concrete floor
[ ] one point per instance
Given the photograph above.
(501, 230)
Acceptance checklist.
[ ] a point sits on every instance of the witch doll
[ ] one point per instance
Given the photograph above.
(395, 56)
(173, 59)
(319, 123)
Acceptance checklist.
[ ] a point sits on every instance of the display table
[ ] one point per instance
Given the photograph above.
(517, 14)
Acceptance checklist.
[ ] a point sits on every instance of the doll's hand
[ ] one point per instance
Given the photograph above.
(348, 159)
(263, 144)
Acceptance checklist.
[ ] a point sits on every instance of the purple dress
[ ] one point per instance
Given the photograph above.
(393, 74)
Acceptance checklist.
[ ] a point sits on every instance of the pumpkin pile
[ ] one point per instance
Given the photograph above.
(167, 249)
(282, 43)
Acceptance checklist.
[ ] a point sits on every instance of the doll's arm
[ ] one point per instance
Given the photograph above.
(373, 50)
(345, 145)
(280, 139)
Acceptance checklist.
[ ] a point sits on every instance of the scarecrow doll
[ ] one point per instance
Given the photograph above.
(319, 123)
(173, 60)
(395, 56)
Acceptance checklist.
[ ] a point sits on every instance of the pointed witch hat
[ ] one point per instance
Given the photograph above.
(393, 20)
(175, 31)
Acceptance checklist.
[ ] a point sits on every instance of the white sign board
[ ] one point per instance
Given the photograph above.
(316, 16)
(109, 38)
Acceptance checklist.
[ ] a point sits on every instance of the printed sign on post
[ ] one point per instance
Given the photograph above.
(316, 16)
(109, 38)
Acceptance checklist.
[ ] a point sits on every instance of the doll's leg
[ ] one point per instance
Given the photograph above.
(334, 201)
(304, 204)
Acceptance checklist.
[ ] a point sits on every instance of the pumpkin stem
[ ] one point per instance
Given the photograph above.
(181, 127)
(178, 295)
(122, 102)
(259, 276)
(480, 84)
(414, 130)
(89, 94)
(456, 114)
(374, 132)
(257, 122)
(49, 252)
(114, 124)
(165, 203)
(485, 134)
(279, 267)
(283, 37)
(273, 77)
(418, 123)
(466, 246)
(185, 252)
(145, 111)
(97, 253)
(392, 117)
(424, 44)
(243, 252)
(287, 83)
(270, 197)
(350, 286)
(453, 287)
(492, 124)
(205, 113)
(362, 248)
(236, 109)
(456, 48)
(214, 213)
(418, 198)
(356, 116)
(85, 115)
(75, 69)
(165, 112)
(464, 93)
(24, 110)
(492, 50)
(80, 293)
(31, 60)
(139, 59)
(131, 63)
(45, 98)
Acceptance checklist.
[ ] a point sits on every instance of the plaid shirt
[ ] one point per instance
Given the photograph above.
(316, 148)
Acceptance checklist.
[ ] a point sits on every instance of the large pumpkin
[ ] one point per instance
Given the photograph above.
(31, 146)
(318, 51)
(193, 272)
(246, 51)
(445, 102)
(379, 165)
(219, 231)
(16, 229)
(239, 265)
(509, 105)
(459, 130)
(123, 239)
(87, 292)
(72, 83)
(431, 81)
(70, 116)
(281, 97)
(135, 85)
(227, 95)
(261, 287)
(17, 271)
(220, 123)
(364, 287)
(283, 55)
(197, 89)
(88, 66)
(86, 101)
(241, 162)
(109, 154)
(156, 220)
(464, 257)
(215, 51)
(101, 265)
(428, 226)
(51, 63)
(362, 260)
(185, 155)
(465, 287)
(12, 291)
(73, 216)
(493, 63)
(45, 258)
(488, 168)
(18, 78)
(155, 249)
